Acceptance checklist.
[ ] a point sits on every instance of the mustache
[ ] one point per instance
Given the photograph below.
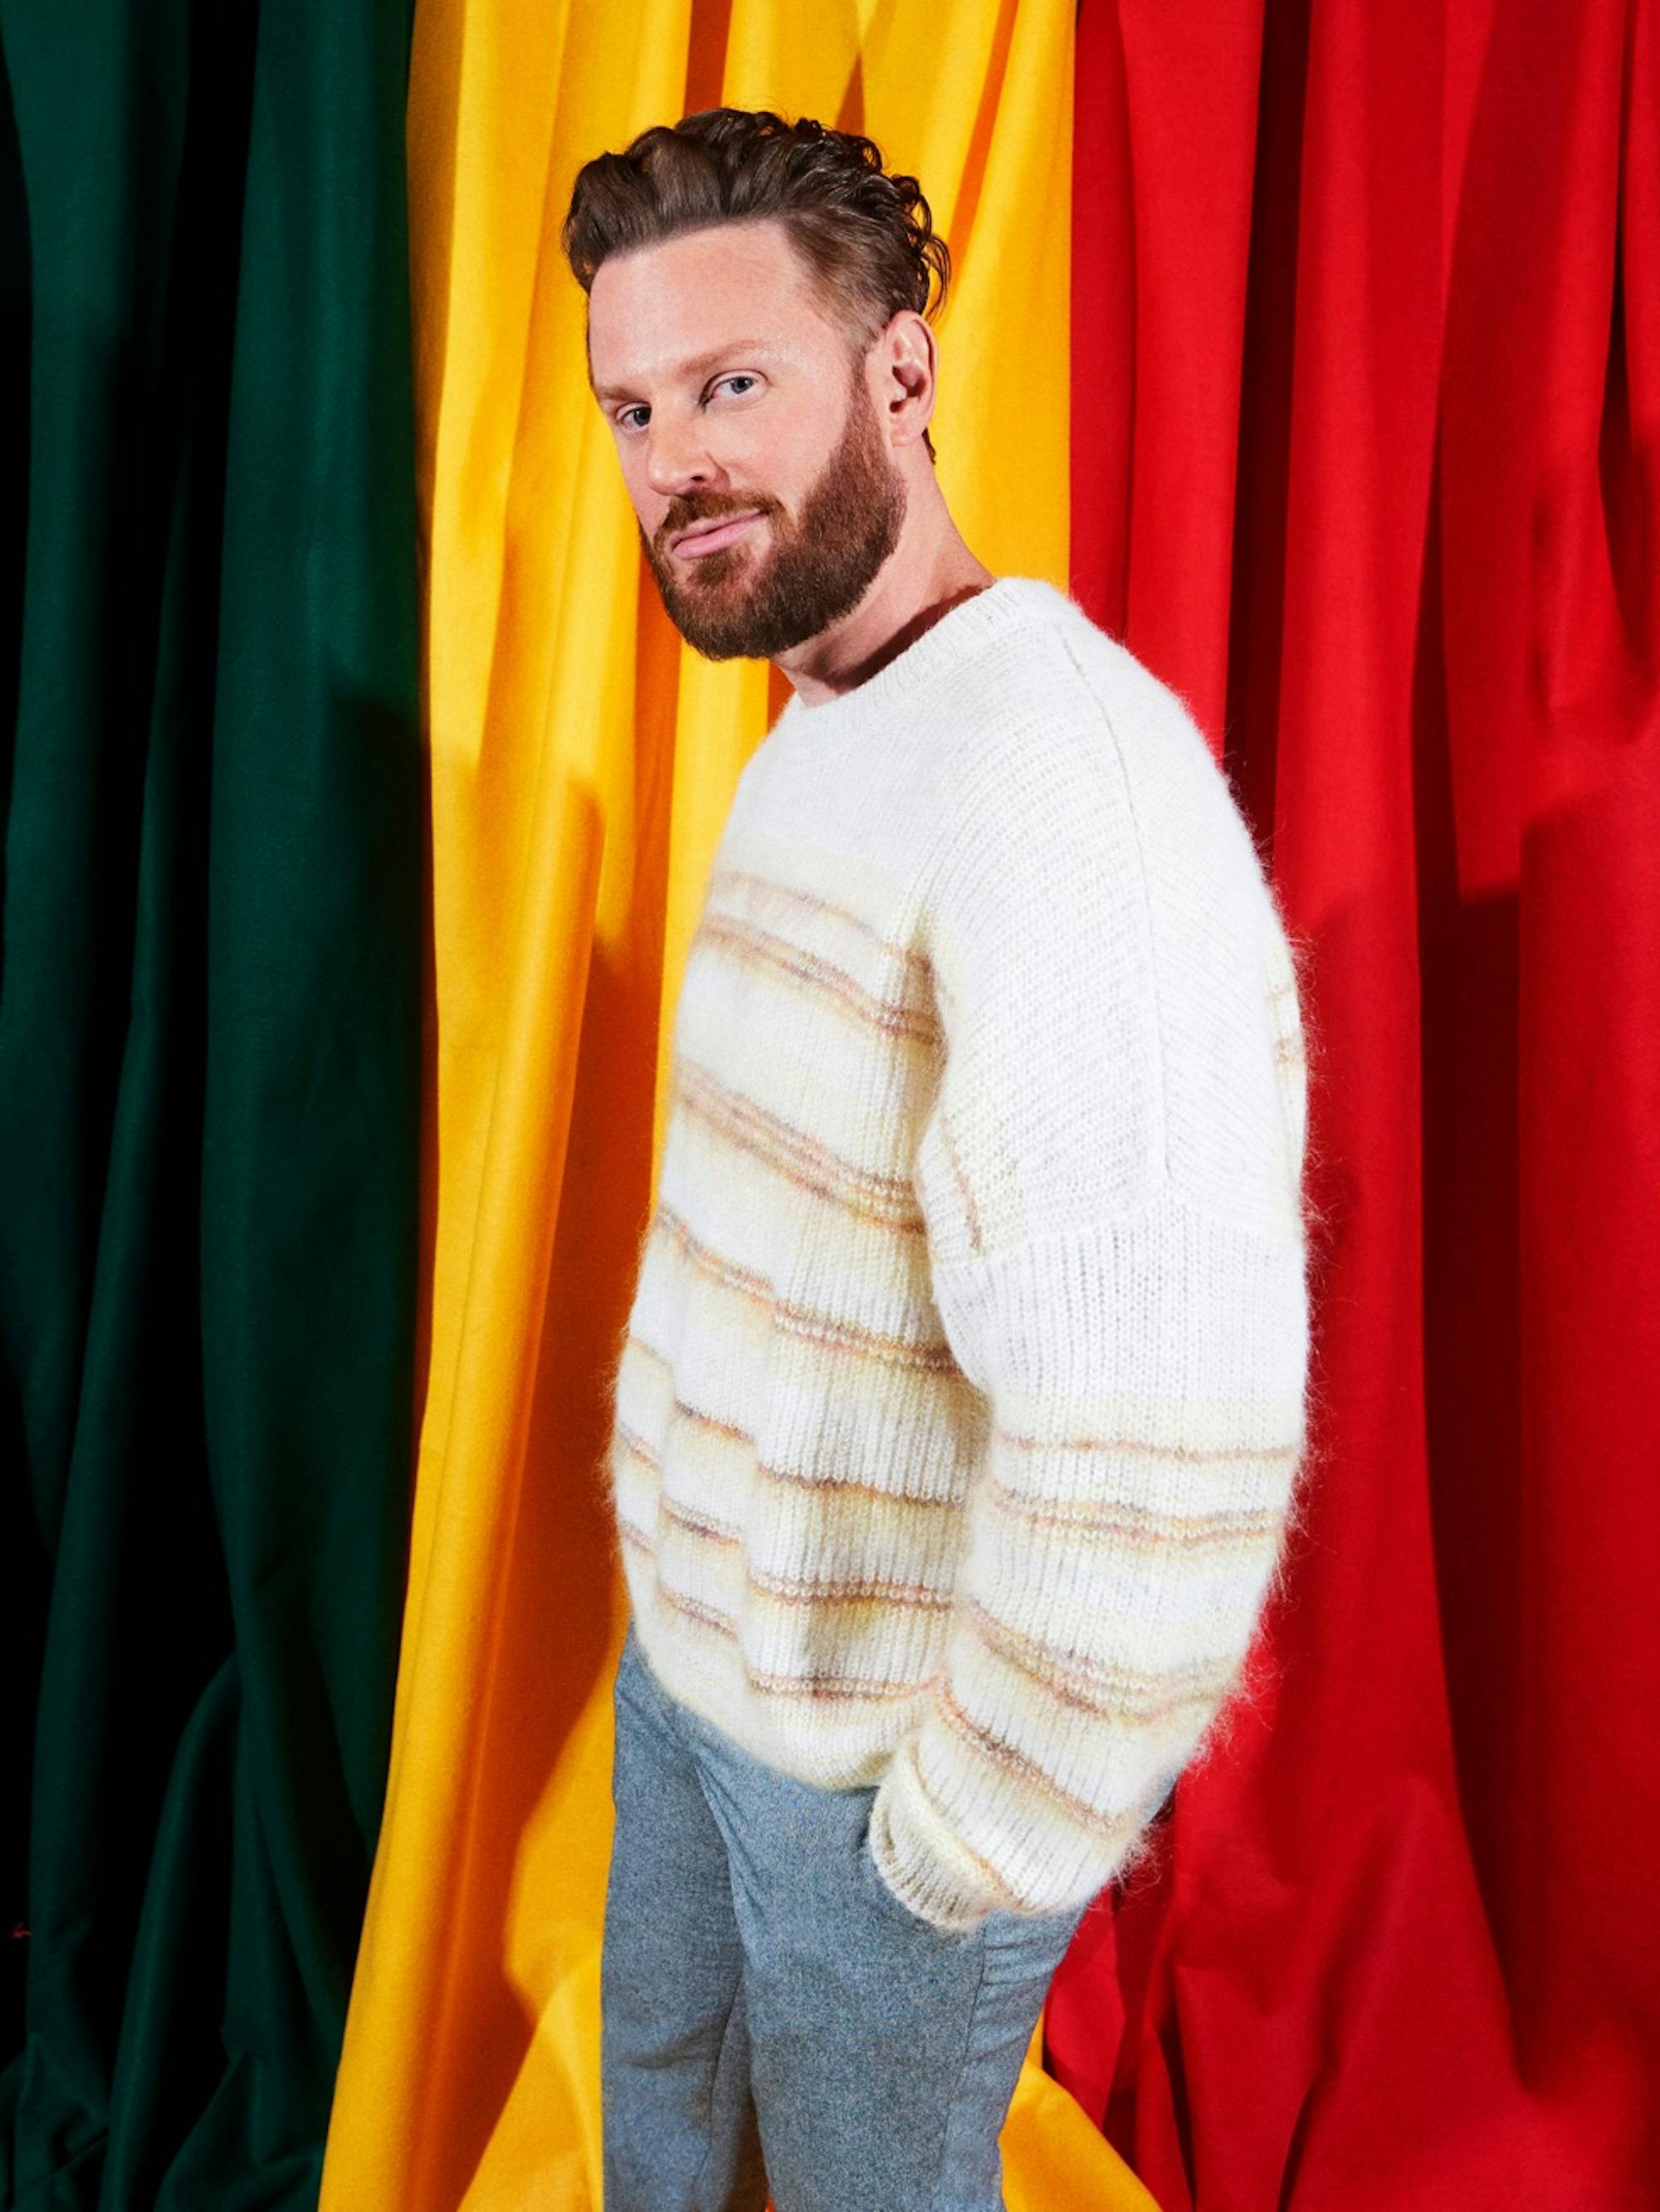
(684, 512)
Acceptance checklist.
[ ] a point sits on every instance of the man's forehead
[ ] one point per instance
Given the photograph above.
(670, 310)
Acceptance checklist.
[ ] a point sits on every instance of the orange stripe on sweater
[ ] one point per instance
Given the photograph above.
(1140, 1448)
(799, 1158)
(927, 1355)
(747, 941)
(1117, 1520)
(1140, 1696)
(915, 964)
(1113, 1827)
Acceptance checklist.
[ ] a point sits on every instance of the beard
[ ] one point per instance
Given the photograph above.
(749, 604)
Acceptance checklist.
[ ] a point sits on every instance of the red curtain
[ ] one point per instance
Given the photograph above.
(1366, 439)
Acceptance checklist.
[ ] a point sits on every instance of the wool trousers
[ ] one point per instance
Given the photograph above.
(772, 2016)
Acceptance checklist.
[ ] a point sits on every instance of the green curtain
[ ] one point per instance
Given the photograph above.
(213, 802)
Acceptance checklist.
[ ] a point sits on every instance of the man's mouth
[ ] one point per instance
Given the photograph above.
(709, 536)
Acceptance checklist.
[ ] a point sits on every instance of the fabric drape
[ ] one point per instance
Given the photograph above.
(1318, 347)
(582, 762)
(210, 1035)
(1367, 304)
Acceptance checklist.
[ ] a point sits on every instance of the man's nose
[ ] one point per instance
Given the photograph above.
(677, 459)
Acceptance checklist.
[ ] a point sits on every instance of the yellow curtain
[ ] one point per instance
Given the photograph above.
(582, 764)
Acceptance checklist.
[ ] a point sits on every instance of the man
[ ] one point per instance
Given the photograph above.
(961, 1403)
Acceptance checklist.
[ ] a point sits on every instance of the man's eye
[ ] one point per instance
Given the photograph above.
(623, 413)
(738, 377)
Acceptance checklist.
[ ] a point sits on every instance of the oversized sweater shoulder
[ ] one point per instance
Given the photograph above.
(962, 1400)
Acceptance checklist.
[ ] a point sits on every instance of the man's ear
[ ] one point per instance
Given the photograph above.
(910, 359)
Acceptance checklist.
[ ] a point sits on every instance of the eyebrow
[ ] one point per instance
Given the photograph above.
(700, 365)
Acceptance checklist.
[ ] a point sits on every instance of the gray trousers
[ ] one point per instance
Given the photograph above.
(771, 2013)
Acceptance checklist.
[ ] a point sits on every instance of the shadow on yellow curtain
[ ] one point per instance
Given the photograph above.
(582, 764)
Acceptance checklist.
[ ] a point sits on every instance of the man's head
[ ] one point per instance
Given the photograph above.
(757, 339)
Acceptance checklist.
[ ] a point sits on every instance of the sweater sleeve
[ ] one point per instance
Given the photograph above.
(1110, 1175)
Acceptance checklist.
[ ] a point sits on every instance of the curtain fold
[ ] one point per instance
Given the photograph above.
(1372, 302)
(582, 762)
(209, 1035)
(1319, 350)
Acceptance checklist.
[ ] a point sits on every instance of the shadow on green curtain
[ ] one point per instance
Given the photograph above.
(212, 795)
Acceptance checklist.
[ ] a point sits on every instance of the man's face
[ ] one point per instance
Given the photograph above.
(742, 417)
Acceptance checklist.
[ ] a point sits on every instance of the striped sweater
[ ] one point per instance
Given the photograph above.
(962, 1394)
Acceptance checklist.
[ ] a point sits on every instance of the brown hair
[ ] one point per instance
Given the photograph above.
(866, 237)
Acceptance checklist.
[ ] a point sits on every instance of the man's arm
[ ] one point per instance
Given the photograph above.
(1111, 1177)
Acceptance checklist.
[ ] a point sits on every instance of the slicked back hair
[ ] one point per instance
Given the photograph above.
(867, 238)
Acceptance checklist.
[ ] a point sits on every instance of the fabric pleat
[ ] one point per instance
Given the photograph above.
(357, 800)
(210, 1071)
(582, 761)
(1369, 302)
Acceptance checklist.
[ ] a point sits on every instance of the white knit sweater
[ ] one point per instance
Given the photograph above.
(962, 1395)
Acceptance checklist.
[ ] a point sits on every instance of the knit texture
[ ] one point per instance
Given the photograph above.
(962, 1401)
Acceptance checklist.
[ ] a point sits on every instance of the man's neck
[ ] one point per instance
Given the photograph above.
(914, 588)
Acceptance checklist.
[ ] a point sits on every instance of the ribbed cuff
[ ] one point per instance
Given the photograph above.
(920, 1861)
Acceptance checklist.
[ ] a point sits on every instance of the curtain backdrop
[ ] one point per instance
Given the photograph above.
(1366, 461)
(1318, 347)
(209, 1034)
(582, 762)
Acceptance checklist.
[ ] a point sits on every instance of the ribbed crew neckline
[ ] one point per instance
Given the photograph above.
(958, 636)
